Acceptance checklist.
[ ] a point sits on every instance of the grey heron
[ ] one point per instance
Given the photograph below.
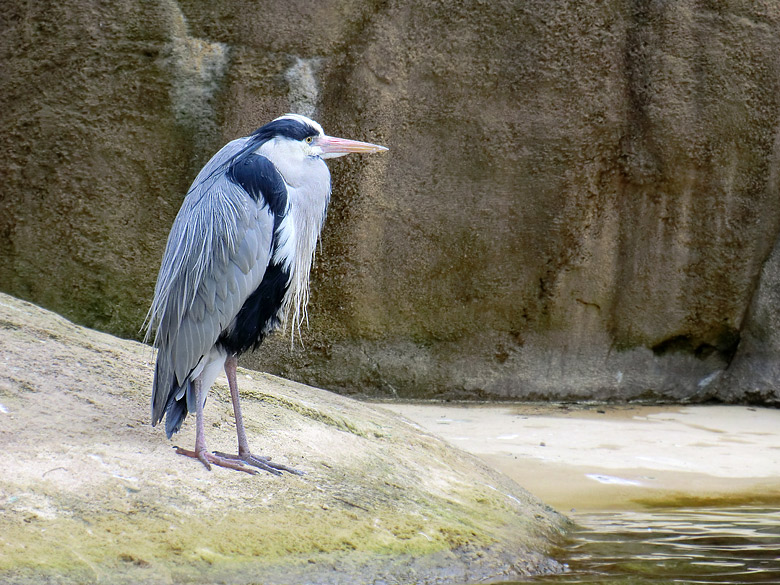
(236, 266)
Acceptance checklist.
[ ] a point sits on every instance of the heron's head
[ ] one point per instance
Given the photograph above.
(304, 135)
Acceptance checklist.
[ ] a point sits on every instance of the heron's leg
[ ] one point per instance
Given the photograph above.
(244, 452)
(230, 370)
(201, 452)
(200, 425)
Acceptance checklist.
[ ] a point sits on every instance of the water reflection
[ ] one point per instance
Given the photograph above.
(734, 545)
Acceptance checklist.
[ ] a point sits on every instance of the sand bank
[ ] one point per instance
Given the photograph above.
(612, 457)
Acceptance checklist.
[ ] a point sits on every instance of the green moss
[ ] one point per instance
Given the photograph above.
(234, 542)
(142, 540)
(311, 413)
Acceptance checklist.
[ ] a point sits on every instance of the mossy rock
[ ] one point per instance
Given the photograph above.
(91, 493)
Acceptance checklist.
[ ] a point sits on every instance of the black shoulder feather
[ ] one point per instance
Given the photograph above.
(259, 178)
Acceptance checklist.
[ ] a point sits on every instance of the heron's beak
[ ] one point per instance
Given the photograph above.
(331, 147)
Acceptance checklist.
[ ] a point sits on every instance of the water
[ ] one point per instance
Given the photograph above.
(689, 545)
(711, 472)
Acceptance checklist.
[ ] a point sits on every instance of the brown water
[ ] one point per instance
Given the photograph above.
(689, 545)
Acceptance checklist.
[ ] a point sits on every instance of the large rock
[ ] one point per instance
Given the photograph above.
(755, 371)
(91, 493)
(577, 202)
(106, 110)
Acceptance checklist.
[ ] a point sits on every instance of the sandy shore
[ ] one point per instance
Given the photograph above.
(612, 457)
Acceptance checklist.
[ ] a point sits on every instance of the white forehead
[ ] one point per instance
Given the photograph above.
(304, 120)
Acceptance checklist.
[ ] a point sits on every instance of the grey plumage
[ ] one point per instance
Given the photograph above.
(237, 263)
(220, 238)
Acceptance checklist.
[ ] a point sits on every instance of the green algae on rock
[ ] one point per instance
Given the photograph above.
(92, 493)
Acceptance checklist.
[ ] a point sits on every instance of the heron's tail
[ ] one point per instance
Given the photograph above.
(175, 415)
(168, 398)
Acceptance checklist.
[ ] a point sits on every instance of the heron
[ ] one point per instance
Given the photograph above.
(236, 268)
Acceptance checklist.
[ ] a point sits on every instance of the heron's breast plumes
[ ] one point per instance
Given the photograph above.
(297, 237)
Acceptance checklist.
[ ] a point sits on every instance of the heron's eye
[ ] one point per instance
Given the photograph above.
(309, 139)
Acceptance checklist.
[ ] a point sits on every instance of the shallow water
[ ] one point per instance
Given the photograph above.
(710, 473)
(690, 545)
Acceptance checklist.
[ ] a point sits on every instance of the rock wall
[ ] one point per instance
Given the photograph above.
(107, 110)
(578, 202)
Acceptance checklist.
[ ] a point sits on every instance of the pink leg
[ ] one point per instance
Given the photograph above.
(230, 369)
(244, 452)
(201, 452)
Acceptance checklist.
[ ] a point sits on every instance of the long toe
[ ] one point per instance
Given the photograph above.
(209, 459)
(268, 465)
(261, 462)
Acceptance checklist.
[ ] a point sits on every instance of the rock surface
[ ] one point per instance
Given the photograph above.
(91, 493)
(578, 201)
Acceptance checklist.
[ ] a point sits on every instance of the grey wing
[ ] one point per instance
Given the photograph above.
(216, 256)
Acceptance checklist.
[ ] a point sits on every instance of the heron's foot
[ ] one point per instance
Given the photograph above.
(217, 459)
(260, 462)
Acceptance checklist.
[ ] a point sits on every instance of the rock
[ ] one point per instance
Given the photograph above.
(577, 203)
(91, 493)
(105, 112)
(754, 373)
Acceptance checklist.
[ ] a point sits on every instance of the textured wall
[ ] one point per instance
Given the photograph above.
(578, 202)
(101, 110)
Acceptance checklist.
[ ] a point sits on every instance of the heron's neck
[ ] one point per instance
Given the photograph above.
(308, 191)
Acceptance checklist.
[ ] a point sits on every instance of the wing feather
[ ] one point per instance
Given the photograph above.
(208, 290)
(222, 289)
